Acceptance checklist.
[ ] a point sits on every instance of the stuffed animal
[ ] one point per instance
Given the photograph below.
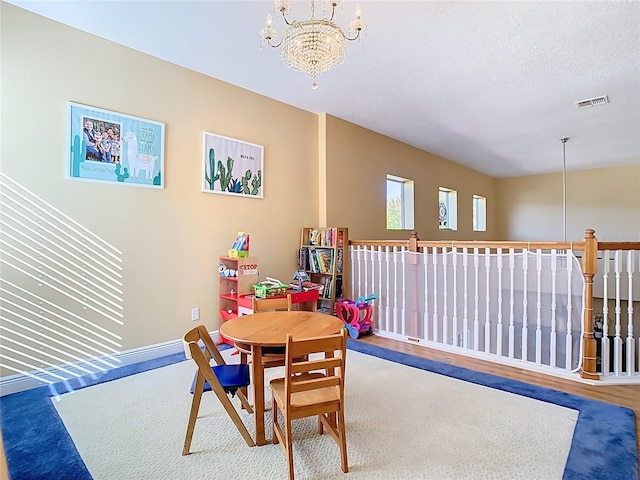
(226, 272)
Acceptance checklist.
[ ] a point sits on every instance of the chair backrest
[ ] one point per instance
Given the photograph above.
(202, 358)
(270, 304)
(301, 362)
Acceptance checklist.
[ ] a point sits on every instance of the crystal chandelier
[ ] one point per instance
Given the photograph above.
(311, 46)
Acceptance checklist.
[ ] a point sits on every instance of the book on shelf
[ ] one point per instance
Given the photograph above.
(303, 259)
(328, 288)
(323, 238)
(316, 260)
(338, 287)
(325, 259)
(314, 265)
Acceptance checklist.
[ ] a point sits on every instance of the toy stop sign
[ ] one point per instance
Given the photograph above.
(248, 269)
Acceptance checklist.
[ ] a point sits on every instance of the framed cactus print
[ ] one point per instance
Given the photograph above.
(111, 147)
(232, 167)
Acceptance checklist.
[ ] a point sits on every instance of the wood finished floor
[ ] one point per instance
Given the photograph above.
(625, 395)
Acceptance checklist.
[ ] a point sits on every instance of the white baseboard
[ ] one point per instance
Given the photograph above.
(25, 381)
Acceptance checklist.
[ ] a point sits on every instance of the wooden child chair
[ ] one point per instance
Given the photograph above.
(305, 391)
(222, 378)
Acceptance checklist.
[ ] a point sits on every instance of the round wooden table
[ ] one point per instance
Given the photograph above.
(270, 329)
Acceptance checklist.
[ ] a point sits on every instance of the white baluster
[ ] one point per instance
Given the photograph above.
(435, 293)
(362, 253)
(454, 261)
(387, 255)
(465, 310)
(476, 314)
(366, 290)
(353, 258)
(371, 261)
(499, 325)
(525, 303)
(404, 318)
(357, 274)
(376, 266)
(553, 340)
(487, 323)
(375, 283)
(445, 307)
(396, 313)
(605, 364)
(569, 336)
(512, 331)
(631, 354)
(617, 340)
(539, 307)
(362, 273)
(425, 260)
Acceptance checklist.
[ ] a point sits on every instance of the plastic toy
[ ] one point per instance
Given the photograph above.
(356, 315)
(240, 247)
(300, 277)
(226, 272)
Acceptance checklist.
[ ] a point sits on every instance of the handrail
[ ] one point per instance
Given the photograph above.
(519, 245)
(380, 243)
(618, 245)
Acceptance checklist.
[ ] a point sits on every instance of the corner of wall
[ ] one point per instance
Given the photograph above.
(322, 170)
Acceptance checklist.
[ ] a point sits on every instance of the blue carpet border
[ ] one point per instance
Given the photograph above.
(38, 446)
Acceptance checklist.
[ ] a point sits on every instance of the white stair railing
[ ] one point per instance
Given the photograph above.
(511, 302)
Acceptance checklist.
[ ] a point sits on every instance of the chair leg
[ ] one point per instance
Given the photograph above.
(244, 402)
(343, 442)
(228, 406)
(289, 448)
(274, 414)
(193, 415)
(243, 359)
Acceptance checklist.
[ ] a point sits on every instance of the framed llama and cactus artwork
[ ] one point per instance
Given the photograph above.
(111, 147)
(232, 167)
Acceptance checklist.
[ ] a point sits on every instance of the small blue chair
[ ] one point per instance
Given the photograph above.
(223, 379)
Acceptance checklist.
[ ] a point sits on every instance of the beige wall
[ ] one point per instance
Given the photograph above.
(605, 199)
(358, 161)
(166, 241)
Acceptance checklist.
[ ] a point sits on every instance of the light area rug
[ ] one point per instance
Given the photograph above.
(402, 423)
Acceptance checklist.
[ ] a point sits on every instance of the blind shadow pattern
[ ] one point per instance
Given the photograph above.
(61, 292)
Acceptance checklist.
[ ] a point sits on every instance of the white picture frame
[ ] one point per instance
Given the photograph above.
(232, 167)
(110, 147)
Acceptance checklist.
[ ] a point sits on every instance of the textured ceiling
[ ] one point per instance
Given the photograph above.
(489, 85)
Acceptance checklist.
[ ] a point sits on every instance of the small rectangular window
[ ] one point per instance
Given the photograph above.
(479, 213)
(447, 209)
(399, 203)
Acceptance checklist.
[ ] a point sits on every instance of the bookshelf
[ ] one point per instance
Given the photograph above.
(323, 254)
(231, 288)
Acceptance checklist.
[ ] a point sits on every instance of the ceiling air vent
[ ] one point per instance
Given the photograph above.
(592, 102)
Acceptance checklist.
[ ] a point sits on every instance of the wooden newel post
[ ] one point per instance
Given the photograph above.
(589, 268)
(413, 241)
(413, 265)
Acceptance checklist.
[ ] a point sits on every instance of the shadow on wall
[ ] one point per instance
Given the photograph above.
(61, 289)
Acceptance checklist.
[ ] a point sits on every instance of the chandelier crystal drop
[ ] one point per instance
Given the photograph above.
(311, 46)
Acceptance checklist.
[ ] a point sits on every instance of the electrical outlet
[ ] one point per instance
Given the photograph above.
(195, 314)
